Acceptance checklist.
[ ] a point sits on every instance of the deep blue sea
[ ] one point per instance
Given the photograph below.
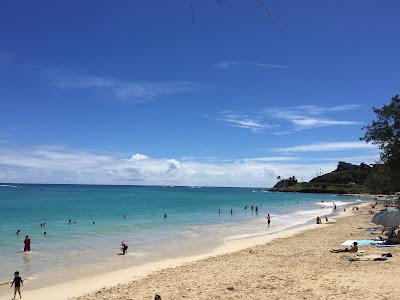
(193, 225)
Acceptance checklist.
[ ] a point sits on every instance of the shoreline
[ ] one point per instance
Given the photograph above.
(87, 285)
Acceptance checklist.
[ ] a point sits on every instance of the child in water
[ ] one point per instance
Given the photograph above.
(124, 247)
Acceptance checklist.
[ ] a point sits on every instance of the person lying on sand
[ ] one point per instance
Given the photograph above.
(352, 249)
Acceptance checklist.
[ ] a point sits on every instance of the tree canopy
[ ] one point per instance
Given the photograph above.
(385, 132)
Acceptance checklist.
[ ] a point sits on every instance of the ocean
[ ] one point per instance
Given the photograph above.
(135, 214)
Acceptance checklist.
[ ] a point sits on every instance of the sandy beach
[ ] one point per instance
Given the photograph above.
(295, 264)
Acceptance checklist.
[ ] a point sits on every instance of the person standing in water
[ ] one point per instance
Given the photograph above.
(219, 211)
(124, 247)
(268, 219)
(231, 211)
(27, 244)
(17, 282)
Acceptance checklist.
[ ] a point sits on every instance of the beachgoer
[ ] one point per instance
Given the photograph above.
(231, 211)
(44, 224)
(124, 216)
(165, 215)
(334, 206)
(344, 209)
(352, 249)
(219, 211)
(93, 222)
(318, 220)
(157, 297)
(268, 219)
(17, 282)
(27, 244)
(18, 232)
(69, 221)
(256, 209)
(124, 247)
(326, 219)
(44, 233)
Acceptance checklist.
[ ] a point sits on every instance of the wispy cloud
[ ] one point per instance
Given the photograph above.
(286, 120)
(242, 121)
(325, 147)
(311, 116)
(304, 122)
(61, 78)
(229, 64)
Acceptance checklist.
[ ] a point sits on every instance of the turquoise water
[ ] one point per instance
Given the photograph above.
(193, 224)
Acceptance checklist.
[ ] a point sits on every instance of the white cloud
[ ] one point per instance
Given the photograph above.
(61, 78)
(288, 119)
(317, 110)
(271, 159)
(242, 121)
(47, 164)
(304, 122)
(138, 156)
(324, 147)
(228, 64)
(311, 116)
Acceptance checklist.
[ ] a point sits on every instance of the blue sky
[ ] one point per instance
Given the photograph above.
(133, 92)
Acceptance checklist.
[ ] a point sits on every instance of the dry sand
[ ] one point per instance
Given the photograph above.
(296, 265)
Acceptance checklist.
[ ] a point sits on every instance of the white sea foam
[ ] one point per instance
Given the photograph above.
(244, 236)
(136, 254)
(338, 203)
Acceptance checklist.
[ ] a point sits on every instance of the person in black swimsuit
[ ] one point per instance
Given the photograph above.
(17, 282)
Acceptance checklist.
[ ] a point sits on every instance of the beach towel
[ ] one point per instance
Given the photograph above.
(361, 242)
(367, 258)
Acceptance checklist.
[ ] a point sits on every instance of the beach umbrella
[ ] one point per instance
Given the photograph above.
(387, 218)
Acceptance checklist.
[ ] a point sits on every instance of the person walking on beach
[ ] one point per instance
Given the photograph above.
(27, 244)
(17, 282)
(268, 219)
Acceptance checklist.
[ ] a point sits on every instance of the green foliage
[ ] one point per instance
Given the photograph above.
(284, 183)
(385, 132)
(378, 182)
